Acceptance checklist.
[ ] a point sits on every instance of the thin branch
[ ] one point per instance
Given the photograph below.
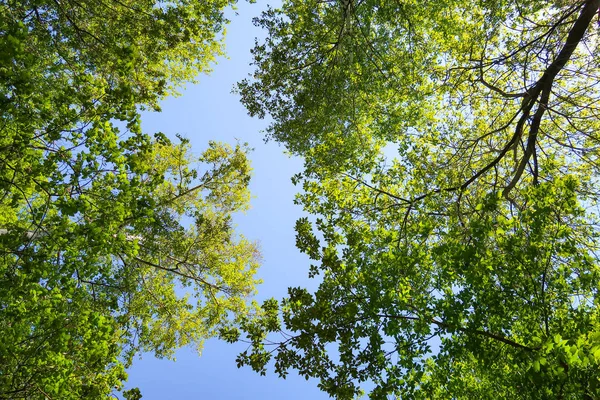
(444, 325)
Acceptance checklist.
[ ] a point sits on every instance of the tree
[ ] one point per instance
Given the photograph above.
(98, 262)
(451, 168)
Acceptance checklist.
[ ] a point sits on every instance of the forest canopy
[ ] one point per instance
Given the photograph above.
(451, 164)
(113, 241)
(451, 169)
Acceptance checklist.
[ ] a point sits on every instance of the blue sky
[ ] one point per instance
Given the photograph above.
(209, 111)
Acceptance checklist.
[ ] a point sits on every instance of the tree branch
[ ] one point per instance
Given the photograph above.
(544, 84)
(444, 325)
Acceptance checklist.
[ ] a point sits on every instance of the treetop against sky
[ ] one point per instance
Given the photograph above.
(445, 161)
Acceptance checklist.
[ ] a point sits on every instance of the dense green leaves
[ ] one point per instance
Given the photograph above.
(451, 165)
(451, 162)
(112, 241)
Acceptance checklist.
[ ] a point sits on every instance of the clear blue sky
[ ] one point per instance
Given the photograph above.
(209, 111)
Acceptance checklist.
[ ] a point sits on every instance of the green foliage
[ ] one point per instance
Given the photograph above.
(97, 261)
(451, 163)
(132, 394)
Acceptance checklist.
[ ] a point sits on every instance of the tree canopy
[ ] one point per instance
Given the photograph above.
(112, 241)
(451, 168)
